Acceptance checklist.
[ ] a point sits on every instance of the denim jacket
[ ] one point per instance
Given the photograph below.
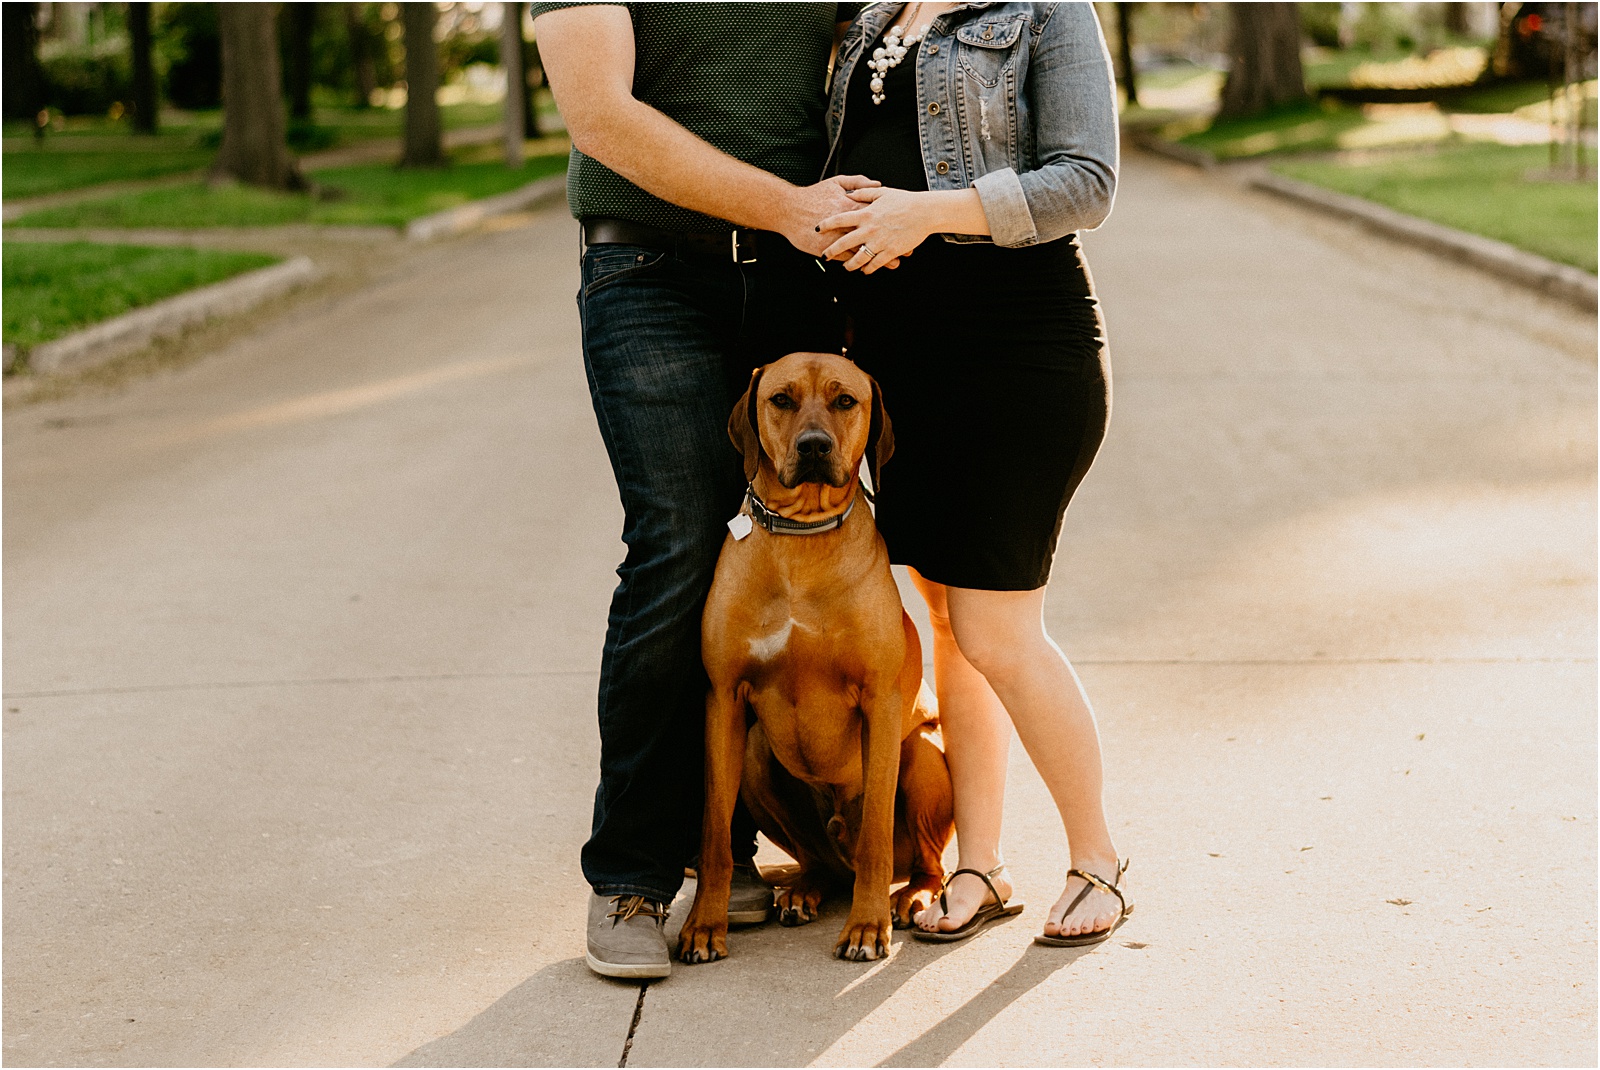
(1015, 100)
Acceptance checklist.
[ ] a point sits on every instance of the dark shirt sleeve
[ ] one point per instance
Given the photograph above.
(845, 12)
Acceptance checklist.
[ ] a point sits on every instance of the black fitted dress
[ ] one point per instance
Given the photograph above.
(993, 370)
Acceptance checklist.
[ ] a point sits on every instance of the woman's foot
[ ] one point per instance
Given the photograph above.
(964, 894)
(1098, 910)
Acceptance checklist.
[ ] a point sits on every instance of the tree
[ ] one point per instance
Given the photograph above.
(1264, 53)
(533, 77)
(424, 145)
(300, 26)
(146, 102)
(360, 54)
(1130, 83)
(511, 60)
(254, 149)
(24, 82)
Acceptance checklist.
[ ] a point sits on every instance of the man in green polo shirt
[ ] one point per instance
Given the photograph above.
(697, 134)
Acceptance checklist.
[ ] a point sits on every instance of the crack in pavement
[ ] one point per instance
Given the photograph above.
(633, 1027)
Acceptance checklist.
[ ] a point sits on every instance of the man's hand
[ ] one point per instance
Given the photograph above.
(807, 206)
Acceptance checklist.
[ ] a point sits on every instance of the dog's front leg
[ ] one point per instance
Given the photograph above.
(866, 930)
(705, 934)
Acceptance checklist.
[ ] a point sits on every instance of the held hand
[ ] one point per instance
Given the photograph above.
(807, 204)
(884, 225)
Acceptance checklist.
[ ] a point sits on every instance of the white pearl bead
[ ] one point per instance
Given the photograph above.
(877, 53)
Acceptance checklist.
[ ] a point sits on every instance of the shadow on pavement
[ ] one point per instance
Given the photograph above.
(561, 1016)
(936, 1045)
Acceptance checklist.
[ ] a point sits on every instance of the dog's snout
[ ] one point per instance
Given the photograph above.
(814, 444)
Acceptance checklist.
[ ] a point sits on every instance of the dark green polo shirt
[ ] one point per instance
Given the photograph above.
(749, 78)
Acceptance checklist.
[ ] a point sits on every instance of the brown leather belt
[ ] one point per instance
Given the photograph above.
(737, 246)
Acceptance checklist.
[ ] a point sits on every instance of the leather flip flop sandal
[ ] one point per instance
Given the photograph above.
(1091, 882)
(992, 911)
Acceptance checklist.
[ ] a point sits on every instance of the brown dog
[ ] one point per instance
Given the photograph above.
(816, 671)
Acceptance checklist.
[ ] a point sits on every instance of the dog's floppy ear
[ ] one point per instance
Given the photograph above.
(880, 437)
(743, 430)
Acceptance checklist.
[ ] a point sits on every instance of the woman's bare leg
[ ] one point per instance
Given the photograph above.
(1001, 635)
(977, 743)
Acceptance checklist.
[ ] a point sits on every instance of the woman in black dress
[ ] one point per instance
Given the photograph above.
(992, 128)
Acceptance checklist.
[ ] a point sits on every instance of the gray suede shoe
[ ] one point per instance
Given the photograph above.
(627, 937)
(749, 897)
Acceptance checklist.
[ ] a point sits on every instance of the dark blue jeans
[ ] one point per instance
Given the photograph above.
(669, 341)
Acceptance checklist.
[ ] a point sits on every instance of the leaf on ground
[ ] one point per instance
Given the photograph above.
(1135, 945)
(1398, 902)
(1213, 854)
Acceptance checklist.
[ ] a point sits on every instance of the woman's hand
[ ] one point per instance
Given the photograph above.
(888, 225)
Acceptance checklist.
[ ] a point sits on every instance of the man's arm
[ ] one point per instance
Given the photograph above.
(588, 55)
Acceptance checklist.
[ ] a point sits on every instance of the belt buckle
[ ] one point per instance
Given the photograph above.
(736, 257)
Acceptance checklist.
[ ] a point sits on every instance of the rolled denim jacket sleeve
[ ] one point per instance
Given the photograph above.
(1074, 105)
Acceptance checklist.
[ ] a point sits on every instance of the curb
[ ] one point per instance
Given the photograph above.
(1561, 281)
(133, 330)
(466, 216)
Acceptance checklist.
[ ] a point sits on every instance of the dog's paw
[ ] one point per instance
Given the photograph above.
(798, 905)
(702, 943)
(863, 941)
(914, 898)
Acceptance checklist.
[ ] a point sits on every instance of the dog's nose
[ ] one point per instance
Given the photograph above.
(813, 444)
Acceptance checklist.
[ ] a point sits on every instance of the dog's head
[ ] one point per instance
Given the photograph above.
(811, 417)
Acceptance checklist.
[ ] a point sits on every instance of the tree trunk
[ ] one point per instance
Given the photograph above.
(24, 83)
(1264, 52)
(360, 55)
(532, 78)
(253, 147)
(146, 102)
(1130, 85)
(300, 26)
(424, 145)
(516, 82)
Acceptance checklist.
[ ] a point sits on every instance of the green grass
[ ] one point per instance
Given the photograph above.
(1299, 128)
(369, 194)
(32, 172)
(50, 289)
(89, 150)
(1496, 98)
(1480, 188)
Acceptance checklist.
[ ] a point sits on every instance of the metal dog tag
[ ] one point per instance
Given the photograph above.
(740, 525)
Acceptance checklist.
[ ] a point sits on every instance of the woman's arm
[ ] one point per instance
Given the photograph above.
(1074, 105)
(892, 222)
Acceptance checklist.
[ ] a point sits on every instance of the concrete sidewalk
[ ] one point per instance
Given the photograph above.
(301, 644)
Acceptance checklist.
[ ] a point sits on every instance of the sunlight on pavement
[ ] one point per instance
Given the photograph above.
(336, 402)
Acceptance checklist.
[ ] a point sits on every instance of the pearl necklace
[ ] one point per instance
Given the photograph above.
(888, 55)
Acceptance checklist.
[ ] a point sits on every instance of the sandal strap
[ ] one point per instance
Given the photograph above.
(1091, 882)
(944, 904)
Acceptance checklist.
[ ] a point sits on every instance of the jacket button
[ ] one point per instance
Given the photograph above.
(988, 33)
(933, 50)
(942, 167)
(933, 108)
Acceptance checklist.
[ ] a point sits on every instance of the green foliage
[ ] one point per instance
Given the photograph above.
(1321, 23)
(370, 195)
(51, 289)
(188, 46)
(1306, 127)
(87, 81)
(1482, 188)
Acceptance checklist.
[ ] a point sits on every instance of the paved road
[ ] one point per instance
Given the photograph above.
(301, 642)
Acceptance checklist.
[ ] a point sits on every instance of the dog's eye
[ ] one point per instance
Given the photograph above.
(782, 401)
(844, 401)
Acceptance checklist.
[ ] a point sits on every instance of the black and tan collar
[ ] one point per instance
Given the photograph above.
(781, 525)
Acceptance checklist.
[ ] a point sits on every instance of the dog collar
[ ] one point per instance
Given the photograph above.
(780, 525)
